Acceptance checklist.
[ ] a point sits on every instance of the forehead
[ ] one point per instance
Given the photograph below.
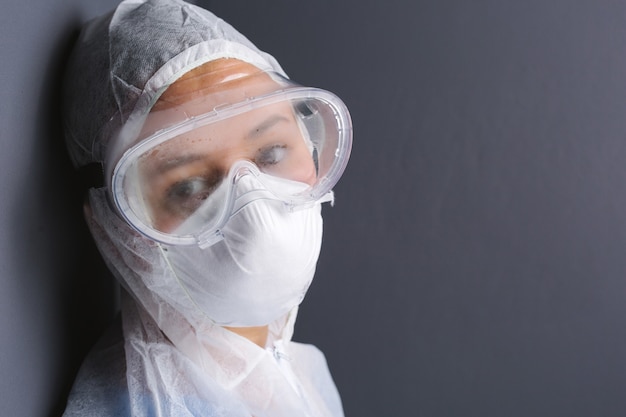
(201, 90)
(220, 78)
(248, 130)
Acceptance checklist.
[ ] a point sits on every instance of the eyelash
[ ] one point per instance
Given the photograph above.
(267, 156)
(184, 197)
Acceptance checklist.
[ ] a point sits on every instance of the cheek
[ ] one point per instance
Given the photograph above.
(166, 224)
(297, 166)
(304, 169)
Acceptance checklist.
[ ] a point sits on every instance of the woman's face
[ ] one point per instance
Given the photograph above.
(179, 174)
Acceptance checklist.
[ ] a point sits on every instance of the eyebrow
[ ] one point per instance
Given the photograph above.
(266, 125)
(255, 132)
(170, 164)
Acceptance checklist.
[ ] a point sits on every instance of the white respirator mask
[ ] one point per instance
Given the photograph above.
(260, 269)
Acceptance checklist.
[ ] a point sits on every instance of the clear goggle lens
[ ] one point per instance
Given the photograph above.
(179, 184)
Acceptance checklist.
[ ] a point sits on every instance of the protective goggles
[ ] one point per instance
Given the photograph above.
(199, 160)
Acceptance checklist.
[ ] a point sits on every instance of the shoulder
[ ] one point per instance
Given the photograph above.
(307, 354)
(100, 388)
(310, 364)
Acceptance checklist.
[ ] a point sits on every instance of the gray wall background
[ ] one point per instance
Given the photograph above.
(474, 263)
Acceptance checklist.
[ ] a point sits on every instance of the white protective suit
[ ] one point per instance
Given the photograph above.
(172, 360)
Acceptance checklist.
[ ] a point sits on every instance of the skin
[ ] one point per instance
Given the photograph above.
(257, 334)
(182, 172)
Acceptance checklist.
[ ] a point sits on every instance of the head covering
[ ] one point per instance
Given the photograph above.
(126, 59)
(178, 361)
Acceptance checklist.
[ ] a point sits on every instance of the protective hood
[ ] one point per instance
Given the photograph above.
(126, 59)
(178, 361)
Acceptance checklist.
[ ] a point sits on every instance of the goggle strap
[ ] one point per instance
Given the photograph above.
(329, 197)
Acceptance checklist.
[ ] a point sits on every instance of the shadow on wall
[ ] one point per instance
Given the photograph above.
(63, 283)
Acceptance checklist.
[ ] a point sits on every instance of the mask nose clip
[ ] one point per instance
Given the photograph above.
(244, 185)
(243, 188)
(243, 167)
(248, 185)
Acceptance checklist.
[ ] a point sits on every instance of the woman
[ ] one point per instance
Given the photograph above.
(207, 170)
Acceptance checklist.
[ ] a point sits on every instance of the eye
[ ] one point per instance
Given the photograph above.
(184, 197)
(271, 155)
